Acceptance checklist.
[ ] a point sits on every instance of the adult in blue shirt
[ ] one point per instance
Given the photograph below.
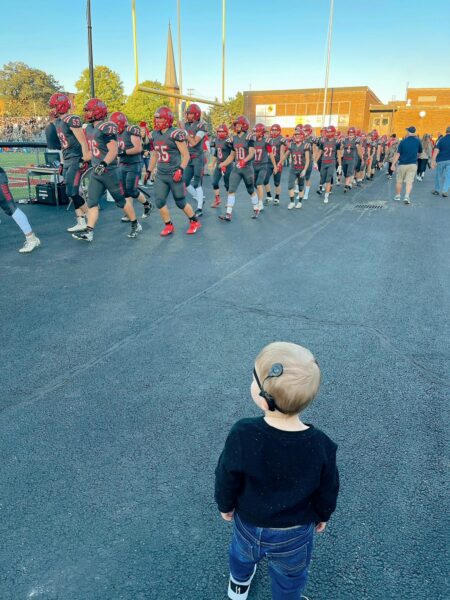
(441, 162)
(406, 156)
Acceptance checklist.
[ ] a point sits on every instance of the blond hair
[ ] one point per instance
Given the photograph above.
(297, 387)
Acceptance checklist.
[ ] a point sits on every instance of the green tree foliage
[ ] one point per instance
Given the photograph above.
(26, 91)
(141, 106)
(108, 87)
(232, 108)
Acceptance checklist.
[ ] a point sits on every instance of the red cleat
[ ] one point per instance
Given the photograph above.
(225, 217)
(216, 202)
(168, 229)
(193, 227)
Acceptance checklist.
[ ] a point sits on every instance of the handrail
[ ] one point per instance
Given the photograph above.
(23, 144)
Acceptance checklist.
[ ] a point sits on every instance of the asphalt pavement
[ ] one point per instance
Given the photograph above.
(123, 364)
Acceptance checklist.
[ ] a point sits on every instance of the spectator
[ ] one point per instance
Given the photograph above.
(425, 156)
(51, 135)
(390, 153)
(406, 156)
(441, 162)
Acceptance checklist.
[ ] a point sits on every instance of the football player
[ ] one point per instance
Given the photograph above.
(300, 152)
(361, 161)
(328, 152)
(242, 151)
(318, 159)
(130, 161)
(196, 130)
(221, 150)
(279, 145)
(312, 141)
(8, 205)
(172, 156)
(374, 154)
(101, 136)
(263, 154)
(75, 155)
(351, 150)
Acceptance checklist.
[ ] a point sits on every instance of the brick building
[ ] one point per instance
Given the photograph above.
(426, 108)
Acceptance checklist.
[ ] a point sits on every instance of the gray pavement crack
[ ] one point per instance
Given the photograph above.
(386, 341)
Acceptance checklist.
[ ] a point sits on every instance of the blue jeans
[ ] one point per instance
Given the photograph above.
(288, 552)
(442, 177)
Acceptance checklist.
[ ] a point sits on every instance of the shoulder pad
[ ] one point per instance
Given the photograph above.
(283, 140)
(134, 130)
(179, 135)
(202, 126)
(72, 121)
(250, 137)
(108, 128)
(229, 140)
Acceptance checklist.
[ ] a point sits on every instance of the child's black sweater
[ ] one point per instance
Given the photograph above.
(275, 478)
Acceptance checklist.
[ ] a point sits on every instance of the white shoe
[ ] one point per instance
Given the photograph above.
(79, 226)
(260, 206)
(325, 200)
(406, 200)
(31, 242)
(134, 232)
(299, 205)
(125, 219)
(84, 236)
(397, 197)
(291, 205)
(239, 591)
(276, 202)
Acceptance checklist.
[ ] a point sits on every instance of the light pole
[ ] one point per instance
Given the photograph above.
(133, 20)
(224, 7)
(327, 70)
(91, 58)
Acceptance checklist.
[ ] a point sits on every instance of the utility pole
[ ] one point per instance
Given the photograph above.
(327, 70)
(224, 6)
(91, 59)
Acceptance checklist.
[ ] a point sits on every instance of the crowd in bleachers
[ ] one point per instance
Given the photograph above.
(22, 129)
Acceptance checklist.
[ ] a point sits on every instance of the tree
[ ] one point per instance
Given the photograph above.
(26, 91)
(141, 106)
(108, 87)
(232, 108)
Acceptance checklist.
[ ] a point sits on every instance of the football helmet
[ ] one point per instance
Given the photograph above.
(193, 113)
(242, 122)
(94, 110)
(60, 103)
(120, 120)
(260, 130)
(222, 132)
(275, 130)
(330, 132)
(307, 129)
(163, 118)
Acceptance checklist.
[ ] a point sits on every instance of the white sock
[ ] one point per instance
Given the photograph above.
(192, 191)
(306, 192)
(200, 197)
(254, 200)
(230, 203)
(22, 221)
(327, 195)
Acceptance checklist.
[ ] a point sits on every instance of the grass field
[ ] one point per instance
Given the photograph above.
(16, 165)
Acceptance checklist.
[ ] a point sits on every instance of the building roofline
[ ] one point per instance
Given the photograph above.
(360, 88)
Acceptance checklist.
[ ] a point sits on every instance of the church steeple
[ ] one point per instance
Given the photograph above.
(171, 75)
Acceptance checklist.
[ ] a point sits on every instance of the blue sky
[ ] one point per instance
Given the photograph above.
(271, 44)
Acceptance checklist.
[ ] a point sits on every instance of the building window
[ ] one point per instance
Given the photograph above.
(385, 121)
(427, 99)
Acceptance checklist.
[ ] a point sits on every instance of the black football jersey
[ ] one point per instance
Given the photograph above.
(71, 147)
(350, 148)
(262, 149)
(169, 157)
(193, 129)
(222, 149)
(125, 141)
(276, 143)
(329, 149)
(98, 137)
(241, 145)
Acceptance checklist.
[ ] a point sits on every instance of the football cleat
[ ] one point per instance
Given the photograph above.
(168, 229)
(194, 226)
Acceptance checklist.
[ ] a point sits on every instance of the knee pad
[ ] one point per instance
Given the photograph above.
(120, 203)
(180, 202)
(133, 194)
(160, 203)
(78, 201)
(250, 189)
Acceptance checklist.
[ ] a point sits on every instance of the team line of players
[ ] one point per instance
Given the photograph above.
(114, 150)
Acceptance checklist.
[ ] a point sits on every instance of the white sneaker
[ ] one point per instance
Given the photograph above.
(406, 200)
(291, 205)
(260, 206)
(397, 197)
(239, 591)
(299, 205)
(125, 219)
(325, 200)
(79, 226)
(31, 242)
(134, 231)
(84, 236)
(276, 202)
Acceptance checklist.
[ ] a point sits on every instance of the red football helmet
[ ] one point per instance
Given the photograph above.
(384, 138)
(60, 104)
(299, 134)
(260, 130)
(193, 113)
(330, 132)
(323, 131)
(298, 128)
(275, 130)
(94, 110)
(241, 122)
(307, 129)
(222, 132)
(163, 118)
(120, 120)
(375, 134)
(351, 131)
